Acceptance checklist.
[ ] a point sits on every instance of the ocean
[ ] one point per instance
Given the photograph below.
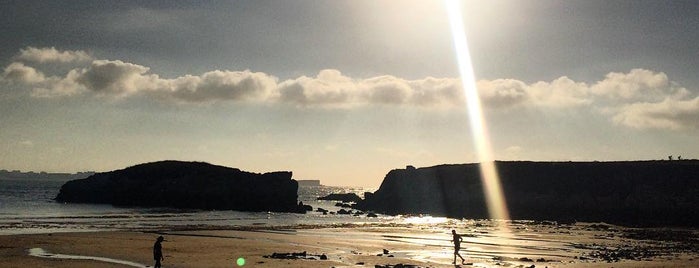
(27, 206)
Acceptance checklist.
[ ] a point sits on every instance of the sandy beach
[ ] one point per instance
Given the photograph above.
(349, 246)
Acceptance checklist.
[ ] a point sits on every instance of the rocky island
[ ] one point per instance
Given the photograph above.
(180, 184)
(639, 193)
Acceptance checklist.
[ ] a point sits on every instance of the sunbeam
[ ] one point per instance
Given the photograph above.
(495, 198)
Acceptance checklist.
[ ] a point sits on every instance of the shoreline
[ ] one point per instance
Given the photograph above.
(346, 246)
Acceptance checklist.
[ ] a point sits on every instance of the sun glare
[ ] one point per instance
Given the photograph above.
(495, 198)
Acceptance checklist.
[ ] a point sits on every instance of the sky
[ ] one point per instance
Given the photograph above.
(342, 91)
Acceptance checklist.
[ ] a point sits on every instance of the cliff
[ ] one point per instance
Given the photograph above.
(186, 185)
(645, 193)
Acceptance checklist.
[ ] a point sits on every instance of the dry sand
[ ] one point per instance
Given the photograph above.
(344, 247)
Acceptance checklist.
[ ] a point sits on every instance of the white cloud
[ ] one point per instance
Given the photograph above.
(220, 85)
(17, 72)
(43, 55)
(329, 88)
(57, 87)
(668, 114)
(637, 84)
(386, 90)
(560, 93)
(639, 99)
(333, 89)
(437, 92)
(502, 93)
(122, 79)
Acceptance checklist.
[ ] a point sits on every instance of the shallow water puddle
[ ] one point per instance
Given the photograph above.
(41, 253)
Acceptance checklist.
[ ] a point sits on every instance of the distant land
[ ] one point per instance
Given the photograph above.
(16, 174)
(633, 193)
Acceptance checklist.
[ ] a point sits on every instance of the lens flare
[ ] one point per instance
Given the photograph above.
(495, 199)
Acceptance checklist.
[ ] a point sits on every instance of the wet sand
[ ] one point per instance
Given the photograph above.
(525, 244)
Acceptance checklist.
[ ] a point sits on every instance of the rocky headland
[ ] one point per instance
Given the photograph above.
(636, 193)
(180, 184)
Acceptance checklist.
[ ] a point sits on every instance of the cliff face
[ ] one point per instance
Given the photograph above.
(186, 185)
(630, 193)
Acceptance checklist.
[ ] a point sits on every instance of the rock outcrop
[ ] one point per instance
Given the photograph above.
(641, 193)
(186, 185)
(346, 197)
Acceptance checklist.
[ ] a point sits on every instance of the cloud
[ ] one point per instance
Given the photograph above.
(387, 90)
(437, 92)
(116, 77)
(44, 55)
(17, 72)
(560, 93)
(639, 98)
(637, 84)
(502, 92)
(668, 114)
(60, 86)
(123, 79)
(330, 88)
(220, 85)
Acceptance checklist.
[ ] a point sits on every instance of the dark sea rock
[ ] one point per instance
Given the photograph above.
(636, 193)
(186, 185)
(348, 197)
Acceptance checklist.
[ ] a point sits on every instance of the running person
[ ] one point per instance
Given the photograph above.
(457, 239)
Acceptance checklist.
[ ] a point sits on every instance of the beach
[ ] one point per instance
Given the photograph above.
(423, 245)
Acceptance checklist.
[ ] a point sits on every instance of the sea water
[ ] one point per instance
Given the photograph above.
(27, 206)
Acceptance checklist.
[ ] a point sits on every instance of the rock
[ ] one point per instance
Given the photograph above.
(305, 207)
(180, 184)
(344, 212)
(296, 256)
(635, 193)
(347, 197)
(343, 205)
(385, 251)
(322, 210)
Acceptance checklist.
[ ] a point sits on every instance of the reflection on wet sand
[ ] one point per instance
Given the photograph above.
(522, 243)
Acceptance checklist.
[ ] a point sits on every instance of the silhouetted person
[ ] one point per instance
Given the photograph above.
(158, 251)
(456, 239)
